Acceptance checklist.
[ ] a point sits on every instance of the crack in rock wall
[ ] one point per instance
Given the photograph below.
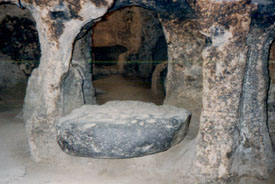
(271, 94)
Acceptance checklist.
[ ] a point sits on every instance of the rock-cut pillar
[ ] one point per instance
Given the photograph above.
(253, 154)
(58, 24)
(77, 87)
(227, 25)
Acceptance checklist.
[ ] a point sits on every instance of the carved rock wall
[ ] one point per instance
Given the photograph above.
(10, 73)
(58, 24)
(184, 81)
(19, 46)
(185, 46)
(18, 36)
(77, 87)
(233, 140)
(233, 137)
(271, 94)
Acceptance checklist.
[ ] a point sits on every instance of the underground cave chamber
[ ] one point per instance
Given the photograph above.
(129, 48)
(129, 62)
(210, 66)
(19, 51)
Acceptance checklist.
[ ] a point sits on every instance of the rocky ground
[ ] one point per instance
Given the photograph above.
(16, 166)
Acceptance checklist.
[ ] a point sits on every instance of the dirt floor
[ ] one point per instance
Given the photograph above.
(16, 166)
(115, 87)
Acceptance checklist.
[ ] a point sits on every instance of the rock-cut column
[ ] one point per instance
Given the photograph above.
(233, 140)
(77, 87)
(226, 24)
(253, 154)
(185, 46)
(58, 24)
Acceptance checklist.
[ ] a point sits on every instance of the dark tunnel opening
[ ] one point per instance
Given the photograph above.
(128, 45)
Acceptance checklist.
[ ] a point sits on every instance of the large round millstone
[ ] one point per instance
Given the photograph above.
(121, 129)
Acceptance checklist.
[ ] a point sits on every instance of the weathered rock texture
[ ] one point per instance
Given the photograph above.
(14, 11)
(271, 94)
(57, 24)
(121, 129)
(19, 46)
(229, 43)
(18, 36)
(77, 87)
(184, 81)
(10, 73)
(254, 148)
(233, 138)
(159, 79)
(19, 39)
(185, 45)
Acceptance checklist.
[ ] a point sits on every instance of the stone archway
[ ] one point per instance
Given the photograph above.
(19, 51)
(227, 134)
(43, 88)
(130, 34)
(128, 44)
(57, 31)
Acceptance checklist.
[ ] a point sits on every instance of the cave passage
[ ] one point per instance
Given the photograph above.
(19, 52)
(128, 45)
(116, 87)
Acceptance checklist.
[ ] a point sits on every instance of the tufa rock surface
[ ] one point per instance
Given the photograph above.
(216, 49)
(19, 38)
(121, 129)
(271, 94)
(58, 24)
(10, 73)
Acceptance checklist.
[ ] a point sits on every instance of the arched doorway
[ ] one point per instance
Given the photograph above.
(19, 52)
(127, 46)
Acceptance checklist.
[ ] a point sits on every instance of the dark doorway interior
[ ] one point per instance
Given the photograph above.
(128, 46)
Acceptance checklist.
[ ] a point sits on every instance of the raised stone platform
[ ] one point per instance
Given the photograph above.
(122, 129)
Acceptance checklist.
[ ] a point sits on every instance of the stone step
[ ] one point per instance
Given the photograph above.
(121, 129)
